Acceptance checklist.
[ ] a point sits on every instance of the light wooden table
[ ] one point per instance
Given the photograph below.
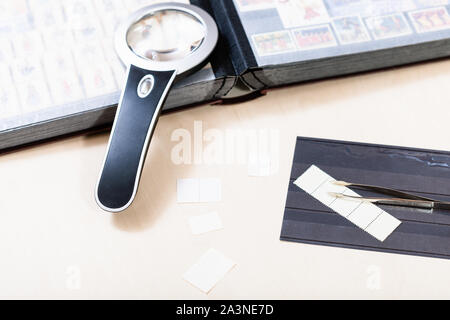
(56, 243)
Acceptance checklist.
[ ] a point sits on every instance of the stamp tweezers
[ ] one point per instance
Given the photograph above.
(401, 198)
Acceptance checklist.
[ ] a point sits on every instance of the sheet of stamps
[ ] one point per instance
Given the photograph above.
(428, 20)
(33, 28)
(314, 37)
(273, 43)
(299, 13)
(251, 5)
(390, 26)
(39, 41)
(350, 30)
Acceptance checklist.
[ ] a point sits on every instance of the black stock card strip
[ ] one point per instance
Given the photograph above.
(417, 171)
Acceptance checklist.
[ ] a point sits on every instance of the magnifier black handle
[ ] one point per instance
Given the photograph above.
(135, 122)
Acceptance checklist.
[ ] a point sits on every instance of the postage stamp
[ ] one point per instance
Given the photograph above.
(385, 7)
(298, 13)
(273, 43)
(430, 19)
(350, 30)
(251, 5)
(316, 37)
(342, 8)
(367, 8)
(389, 26)
(422, 4)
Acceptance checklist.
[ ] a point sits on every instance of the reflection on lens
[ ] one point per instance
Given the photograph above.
(165, 35)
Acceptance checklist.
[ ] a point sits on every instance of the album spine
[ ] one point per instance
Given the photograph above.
(220, 59)
(233, 35)
(241, 52)
(233, 31)
(233, 57)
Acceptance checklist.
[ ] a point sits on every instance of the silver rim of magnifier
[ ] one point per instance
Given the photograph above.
(183, 65)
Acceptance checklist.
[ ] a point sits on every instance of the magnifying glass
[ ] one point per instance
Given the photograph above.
(160, 44)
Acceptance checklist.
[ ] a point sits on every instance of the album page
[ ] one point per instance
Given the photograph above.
(289, 31)
(58, 61)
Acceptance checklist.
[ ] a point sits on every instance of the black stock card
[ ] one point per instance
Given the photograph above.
(416, 171)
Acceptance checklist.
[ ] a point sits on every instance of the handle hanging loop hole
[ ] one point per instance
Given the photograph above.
(145, 86)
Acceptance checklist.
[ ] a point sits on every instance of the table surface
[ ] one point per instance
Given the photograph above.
(56, 243)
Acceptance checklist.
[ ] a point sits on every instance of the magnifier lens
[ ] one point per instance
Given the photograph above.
(166, 35)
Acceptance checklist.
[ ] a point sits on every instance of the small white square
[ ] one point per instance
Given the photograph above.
(210, 190)
(345, 207)
(311, 179)
(382, 227)
(205, 223)
(364, 215)
(323, 192)
(209, 270)
(188, 190)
